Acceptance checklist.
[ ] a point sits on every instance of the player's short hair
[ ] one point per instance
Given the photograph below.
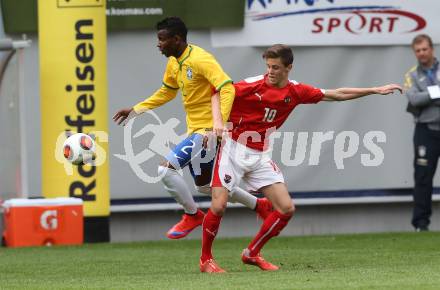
(174, 25)
(420, 38)
(281, 51)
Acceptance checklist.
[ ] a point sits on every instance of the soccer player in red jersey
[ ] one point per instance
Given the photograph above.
(261, 106)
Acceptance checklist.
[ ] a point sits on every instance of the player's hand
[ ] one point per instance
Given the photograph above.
(218, 128)
(122, 115)
(388, 89)
(209, 141)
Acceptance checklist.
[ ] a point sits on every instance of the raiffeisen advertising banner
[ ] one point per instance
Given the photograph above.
(333, 22)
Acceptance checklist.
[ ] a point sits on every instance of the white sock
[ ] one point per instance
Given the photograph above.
(177, 187)
(242, 196)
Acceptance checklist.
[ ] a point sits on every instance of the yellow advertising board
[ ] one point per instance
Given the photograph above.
(73, 83)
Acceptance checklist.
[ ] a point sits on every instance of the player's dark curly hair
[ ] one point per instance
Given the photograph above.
(174, 26)
(281, 51)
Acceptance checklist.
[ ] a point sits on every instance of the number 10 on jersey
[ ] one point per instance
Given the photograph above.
(269, 115)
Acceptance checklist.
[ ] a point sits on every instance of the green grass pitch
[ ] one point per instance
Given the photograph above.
(366, 261)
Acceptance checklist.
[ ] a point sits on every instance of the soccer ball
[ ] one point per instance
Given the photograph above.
(79, 149)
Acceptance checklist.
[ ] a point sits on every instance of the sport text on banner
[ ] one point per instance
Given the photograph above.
(333, 22)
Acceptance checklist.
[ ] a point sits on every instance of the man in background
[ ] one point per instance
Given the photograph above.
(423, 93)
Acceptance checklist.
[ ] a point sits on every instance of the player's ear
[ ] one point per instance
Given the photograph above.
(289, 67)
(177, 38)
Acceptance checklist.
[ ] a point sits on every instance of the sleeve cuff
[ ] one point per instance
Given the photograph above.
(169, 87)
(219, 87)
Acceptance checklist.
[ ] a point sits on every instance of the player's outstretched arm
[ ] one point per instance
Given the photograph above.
(345, 94)
(160, 97)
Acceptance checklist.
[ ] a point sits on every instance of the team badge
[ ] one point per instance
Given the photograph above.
(422, 151)
(287, 100)
(189, 73)
(227, 178)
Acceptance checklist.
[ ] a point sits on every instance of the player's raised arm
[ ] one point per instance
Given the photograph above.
(345, 94)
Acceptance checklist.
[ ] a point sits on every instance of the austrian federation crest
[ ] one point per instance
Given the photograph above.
(227, 178)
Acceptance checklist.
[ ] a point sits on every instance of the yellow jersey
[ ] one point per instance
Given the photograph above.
(197, 74)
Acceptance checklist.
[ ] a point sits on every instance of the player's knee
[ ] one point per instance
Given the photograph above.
(164, 171)
(288, 209)
(219, 200)
(205, 189)
(166, 164)
(218, 208)
(218, 204)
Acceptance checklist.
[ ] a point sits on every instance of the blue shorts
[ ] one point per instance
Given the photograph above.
(191, 152)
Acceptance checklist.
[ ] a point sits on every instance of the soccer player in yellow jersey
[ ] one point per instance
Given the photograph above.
(197, 75)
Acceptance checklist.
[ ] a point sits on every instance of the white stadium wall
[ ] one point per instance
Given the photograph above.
(135, 69)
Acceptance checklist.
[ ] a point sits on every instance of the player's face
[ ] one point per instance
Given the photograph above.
(278, 73)
(424, 53)
(167, 44)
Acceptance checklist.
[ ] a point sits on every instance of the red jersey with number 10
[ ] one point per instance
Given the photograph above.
(259, 108)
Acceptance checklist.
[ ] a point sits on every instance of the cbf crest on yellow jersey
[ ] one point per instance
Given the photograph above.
(189, 73)
(196, 73)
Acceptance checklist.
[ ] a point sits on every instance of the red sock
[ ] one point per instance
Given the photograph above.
(271, 227)
(211, 223)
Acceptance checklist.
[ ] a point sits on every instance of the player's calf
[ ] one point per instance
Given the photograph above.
(270, 228)
(263, 208)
